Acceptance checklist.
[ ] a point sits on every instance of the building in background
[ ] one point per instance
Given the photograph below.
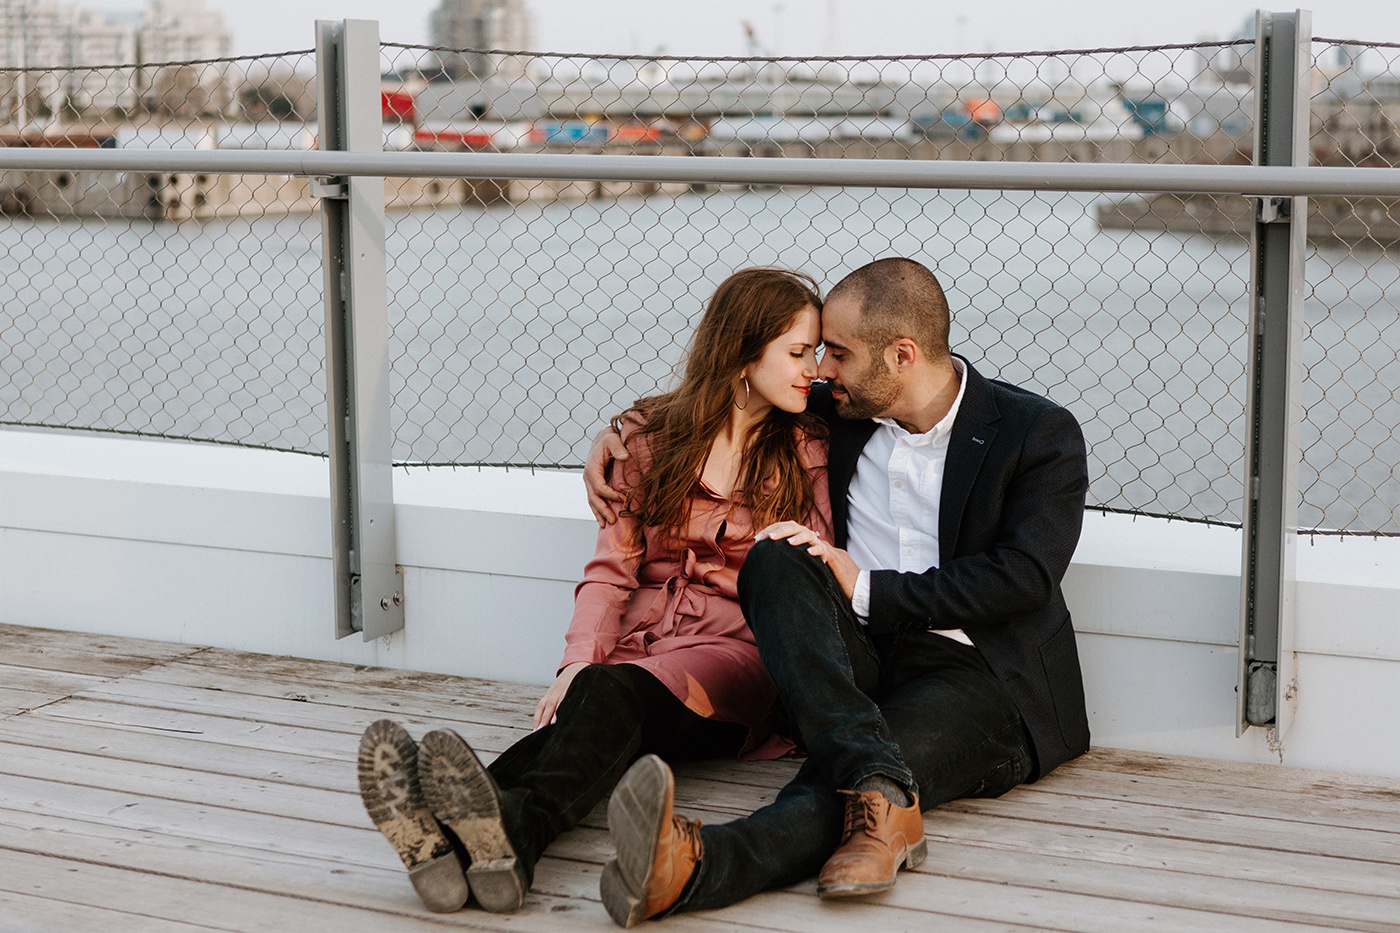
(51, 40)
(469, 27)
(72, 63)
(181, 33)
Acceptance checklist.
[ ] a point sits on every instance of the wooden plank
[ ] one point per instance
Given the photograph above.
(1322, 784)
(42, 681)
(25, 688)
(14, 702)
(488, 738)
(259, 779)
(176, 750)
(233, 792)
(460, 698)
(1179, 823)
(340, 804)
(1209, 797)
(923, 901)
(1226, 860)
(564, 895)
(25, 913)
(1285, 887)
(293, 671)
(77, 653)
(1310, 878)
(1063, 910)
(174, 855)
(306, 739)
(294, 710)
(1277, 803)
(358, 844)
(217, 906)
(241, 780)
(792, 910)
(1190, 888)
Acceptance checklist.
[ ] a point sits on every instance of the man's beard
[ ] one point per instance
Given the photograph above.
(874, 394)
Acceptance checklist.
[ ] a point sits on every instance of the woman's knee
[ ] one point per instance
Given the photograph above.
(599, 688)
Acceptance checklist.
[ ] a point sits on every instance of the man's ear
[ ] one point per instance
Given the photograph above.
(906, 353)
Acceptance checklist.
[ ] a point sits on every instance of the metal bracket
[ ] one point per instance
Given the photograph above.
(1273, 210)
(368, 580)
(1283, 62)
(1261, 693)
(322, 186)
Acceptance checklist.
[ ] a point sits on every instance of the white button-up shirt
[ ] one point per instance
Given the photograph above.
(894, 502)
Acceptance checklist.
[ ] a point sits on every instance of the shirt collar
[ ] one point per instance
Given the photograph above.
(945, 424)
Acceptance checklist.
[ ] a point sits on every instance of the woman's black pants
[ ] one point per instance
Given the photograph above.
(612, 714)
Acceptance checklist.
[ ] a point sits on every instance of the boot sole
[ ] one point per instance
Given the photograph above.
(913, 856)
(635, 813)
(464, 796)
(388, 774)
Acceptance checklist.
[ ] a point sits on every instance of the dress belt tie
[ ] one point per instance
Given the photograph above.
(676, 598)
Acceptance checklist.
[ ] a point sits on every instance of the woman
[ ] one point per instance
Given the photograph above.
(658, 656)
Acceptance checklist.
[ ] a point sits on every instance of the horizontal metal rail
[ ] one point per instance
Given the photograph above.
(877, 173)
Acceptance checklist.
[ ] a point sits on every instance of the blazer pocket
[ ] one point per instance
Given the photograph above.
(1059, 659)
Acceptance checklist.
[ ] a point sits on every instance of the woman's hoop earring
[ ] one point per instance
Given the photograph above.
(746, 395)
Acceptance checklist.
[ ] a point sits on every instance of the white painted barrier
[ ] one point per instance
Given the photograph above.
(229, 547)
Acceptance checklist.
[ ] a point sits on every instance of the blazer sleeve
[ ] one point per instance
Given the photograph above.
(1015, 565)
(609, 578)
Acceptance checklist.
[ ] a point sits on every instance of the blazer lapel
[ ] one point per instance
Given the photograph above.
(971, 437)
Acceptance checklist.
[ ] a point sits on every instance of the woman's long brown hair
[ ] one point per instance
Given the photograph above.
(749, 310)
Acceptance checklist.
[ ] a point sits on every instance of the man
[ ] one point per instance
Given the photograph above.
(923, 656)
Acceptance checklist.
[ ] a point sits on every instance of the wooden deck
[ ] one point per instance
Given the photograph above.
(153, 787)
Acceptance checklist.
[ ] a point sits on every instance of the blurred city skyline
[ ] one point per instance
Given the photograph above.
(806, 27)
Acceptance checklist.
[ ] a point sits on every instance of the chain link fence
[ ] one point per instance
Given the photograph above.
(164, 304)
(524, 313)
(545, 306)
(1350, 472)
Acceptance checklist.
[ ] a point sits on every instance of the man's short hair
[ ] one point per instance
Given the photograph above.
(898, 298)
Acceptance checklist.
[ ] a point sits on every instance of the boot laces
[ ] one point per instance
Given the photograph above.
(861, 812)
(686, 832)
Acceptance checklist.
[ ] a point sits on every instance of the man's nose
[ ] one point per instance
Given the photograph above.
(825, 370)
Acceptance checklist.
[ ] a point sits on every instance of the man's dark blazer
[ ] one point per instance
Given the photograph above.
(1012, 506)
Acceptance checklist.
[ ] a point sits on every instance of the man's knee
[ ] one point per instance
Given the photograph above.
(769, 562)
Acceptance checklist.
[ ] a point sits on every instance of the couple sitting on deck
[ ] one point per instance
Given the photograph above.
(908, 631)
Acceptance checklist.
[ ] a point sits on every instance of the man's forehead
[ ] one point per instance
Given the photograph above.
(840, 317)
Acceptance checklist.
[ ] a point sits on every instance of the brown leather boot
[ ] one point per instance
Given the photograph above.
(879, 837)
(657, 851)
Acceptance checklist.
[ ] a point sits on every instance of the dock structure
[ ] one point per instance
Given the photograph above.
(158, 787)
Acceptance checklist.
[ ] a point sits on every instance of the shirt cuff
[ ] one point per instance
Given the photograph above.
(860, 599)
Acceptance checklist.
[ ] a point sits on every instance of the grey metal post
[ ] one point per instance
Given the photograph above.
(368, 585)
(1283, 88)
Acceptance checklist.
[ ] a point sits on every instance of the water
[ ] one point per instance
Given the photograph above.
(516, 330)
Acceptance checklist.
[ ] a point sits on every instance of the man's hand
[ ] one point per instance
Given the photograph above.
(602, 498)
(549, 703)
(843, 568)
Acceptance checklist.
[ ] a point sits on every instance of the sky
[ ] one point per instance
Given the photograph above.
(810, 27)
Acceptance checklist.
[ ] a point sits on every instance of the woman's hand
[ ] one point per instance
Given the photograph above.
(843, 568)
(549, 703)
(607, 447)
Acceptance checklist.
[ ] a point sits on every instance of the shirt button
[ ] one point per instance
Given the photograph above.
(898, 484)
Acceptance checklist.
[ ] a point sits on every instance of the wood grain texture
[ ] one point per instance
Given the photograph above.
(167, 788)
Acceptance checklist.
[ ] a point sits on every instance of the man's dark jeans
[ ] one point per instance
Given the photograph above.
(916, 707)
